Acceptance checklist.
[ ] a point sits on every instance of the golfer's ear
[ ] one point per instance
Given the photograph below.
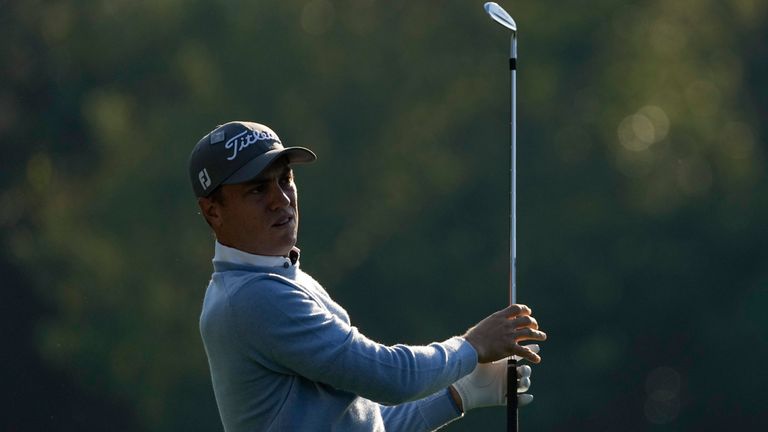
(211, 211)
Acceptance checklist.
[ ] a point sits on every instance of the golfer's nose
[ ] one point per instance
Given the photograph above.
(279, 197)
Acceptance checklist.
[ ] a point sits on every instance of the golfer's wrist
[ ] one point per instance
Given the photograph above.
(473, 343)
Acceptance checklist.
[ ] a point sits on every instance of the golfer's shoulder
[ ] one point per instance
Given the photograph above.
(264, 291)
(258, 283)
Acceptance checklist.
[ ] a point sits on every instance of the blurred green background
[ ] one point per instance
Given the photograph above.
(643, 200)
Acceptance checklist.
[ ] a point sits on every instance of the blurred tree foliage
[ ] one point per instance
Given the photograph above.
(642, 194)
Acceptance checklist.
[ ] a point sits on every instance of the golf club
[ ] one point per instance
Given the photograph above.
(498, 14)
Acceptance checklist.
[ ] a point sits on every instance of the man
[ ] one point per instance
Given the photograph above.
(283, 355)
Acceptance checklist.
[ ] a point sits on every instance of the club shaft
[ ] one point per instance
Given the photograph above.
(512, 414)
(513, 175)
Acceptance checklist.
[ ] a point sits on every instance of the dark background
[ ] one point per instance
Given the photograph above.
(642, 196)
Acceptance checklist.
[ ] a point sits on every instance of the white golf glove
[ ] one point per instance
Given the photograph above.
(487, 384)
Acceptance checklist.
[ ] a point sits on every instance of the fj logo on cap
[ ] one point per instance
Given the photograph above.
(244, 139)
(205, 179)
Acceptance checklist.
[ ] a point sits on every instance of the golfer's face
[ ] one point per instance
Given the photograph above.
(261, 216)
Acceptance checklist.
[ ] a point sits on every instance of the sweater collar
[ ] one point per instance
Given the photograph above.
(235, 256)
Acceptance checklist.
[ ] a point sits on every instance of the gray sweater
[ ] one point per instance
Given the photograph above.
(284, 357)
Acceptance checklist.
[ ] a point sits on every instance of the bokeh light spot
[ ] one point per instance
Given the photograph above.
(640, 130)
(658, 117)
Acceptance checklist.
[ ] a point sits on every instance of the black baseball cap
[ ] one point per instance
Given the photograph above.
(236, 152)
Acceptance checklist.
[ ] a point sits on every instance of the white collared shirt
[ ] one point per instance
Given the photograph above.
(236, 256)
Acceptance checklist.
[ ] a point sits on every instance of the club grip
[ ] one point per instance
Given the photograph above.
(512, 395)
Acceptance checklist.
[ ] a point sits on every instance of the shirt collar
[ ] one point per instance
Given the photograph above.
(236, 256)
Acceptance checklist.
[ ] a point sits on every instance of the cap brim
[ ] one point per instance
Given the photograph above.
(253, 168)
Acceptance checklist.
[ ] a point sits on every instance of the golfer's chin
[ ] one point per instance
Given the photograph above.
(285, 237)
(285, 244)
(287, 251)
(277, 245)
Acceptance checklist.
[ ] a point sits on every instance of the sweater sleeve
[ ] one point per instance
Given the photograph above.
(427, 414)
(289, 327)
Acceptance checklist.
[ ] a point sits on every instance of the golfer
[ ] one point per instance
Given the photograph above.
(283, 355)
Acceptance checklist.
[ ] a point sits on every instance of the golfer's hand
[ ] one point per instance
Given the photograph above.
(498, 336)
(487, 385)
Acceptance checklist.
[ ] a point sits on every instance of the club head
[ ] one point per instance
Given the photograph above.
(500, 15)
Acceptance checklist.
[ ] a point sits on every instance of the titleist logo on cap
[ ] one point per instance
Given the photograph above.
(246, 138)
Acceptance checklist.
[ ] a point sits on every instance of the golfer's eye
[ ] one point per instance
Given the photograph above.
(258, 189)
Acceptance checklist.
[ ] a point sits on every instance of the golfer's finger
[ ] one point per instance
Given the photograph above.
(533, 347)
(524, 399)
(515, 310)
(524, 321)
(526, 333)
(526, 354)
(523, 384)
(523, 371)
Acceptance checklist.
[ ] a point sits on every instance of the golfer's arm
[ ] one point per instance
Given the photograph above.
(295, 331)
(427, 414)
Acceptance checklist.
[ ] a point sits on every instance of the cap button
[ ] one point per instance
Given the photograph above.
(286, 265)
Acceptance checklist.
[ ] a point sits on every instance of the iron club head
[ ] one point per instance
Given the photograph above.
(500, 16)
